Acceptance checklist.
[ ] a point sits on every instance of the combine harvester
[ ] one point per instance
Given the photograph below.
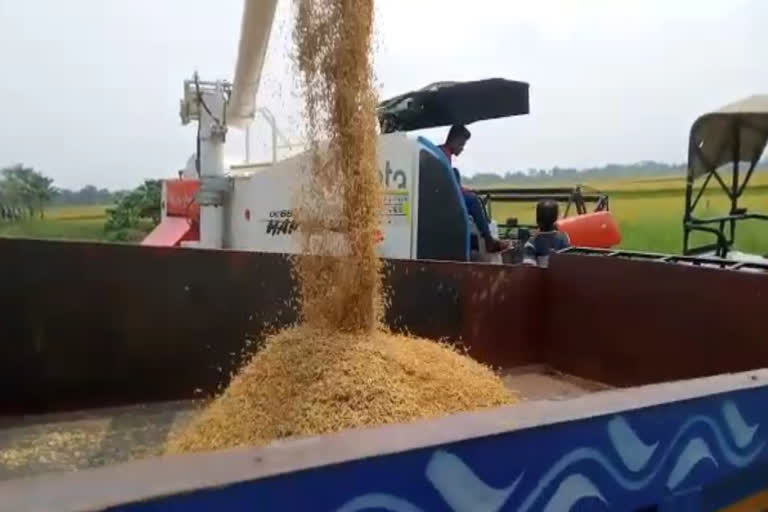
(249, 207)
(643, 382)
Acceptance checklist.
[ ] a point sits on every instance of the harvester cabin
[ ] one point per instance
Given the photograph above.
(445, 229)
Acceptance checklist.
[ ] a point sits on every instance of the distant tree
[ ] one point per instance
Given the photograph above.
(136, 213)
(559, 174)
(43, 192)
(25, 187)
(485, 178)
(89, 194)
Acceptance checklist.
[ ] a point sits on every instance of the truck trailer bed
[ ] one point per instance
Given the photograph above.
(46, 443)
(681, 343)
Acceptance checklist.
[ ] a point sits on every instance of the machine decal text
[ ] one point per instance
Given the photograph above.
(281, 227)
(281, 223)
(397, 204)
(393, 178)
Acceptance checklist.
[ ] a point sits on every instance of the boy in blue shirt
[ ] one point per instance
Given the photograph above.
(547, 239)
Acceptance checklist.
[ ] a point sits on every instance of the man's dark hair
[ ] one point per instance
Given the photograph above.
(458, 131)
(547, 212)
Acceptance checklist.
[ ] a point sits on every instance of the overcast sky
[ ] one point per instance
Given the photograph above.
(90, 88)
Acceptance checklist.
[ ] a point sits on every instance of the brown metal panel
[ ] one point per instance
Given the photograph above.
(628, 323)
(85, 324)
(106, 325)
(493, 310)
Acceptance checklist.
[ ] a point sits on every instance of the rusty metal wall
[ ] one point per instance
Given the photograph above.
(86, 325)
(493, 310)
(105, 324)
(630, 323)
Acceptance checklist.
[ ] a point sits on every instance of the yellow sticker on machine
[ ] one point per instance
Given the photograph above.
(397, 203)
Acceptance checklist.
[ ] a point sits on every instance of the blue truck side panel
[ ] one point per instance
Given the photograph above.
(701, 454)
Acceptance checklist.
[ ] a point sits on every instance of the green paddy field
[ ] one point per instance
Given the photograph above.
(649, 212)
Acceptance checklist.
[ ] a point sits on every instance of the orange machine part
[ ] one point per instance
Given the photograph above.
(171, 232)
(180, 198)
(597, 229)
(182, 222)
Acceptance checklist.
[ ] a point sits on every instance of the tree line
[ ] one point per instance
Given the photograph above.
(24, 192)
(87, 195)
(648, 168)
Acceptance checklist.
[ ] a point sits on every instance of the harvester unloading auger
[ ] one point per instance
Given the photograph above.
(425, 216)
(643, 389)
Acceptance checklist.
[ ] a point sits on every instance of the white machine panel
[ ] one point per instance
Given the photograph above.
(261, 218)
(398, 169)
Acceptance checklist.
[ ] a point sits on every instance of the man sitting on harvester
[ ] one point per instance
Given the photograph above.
(454, 144)
(547, 239)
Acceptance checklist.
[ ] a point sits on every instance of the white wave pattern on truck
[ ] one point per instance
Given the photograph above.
(463, 491)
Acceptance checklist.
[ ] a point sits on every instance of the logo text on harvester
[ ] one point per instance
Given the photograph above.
(281, 223)
(393, 178)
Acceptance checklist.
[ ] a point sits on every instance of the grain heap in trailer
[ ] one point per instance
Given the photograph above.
(102, 368)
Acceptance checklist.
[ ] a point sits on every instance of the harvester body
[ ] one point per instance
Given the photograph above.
(424, 214)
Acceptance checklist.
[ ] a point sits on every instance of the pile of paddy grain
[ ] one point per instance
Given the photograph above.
(306, 382)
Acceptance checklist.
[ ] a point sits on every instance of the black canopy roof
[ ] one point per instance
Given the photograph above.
(448, 103)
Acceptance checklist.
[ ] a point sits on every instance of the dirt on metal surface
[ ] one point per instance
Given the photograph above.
(48, 443)
(543, 383)
(62, 442)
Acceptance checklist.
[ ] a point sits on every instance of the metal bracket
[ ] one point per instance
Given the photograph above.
(213, 190)
(218, 132)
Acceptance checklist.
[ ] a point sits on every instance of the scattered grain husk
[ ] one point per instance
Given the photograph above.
(308, 382)
(339, 369)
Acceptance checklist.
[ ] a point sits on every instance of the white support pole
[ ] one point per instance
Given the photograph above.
(212, 135)
(248, 144)
(270, 119)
